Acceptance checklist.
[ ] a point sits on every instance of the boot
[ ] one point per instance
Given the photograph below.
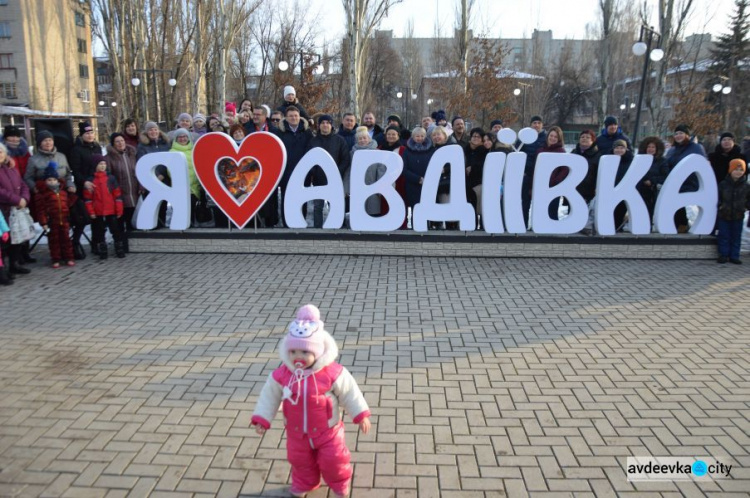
(78, 252)
(18, 269)
(26, 254)
(125, 244)
(5, 277)
(102, 250)
(120, 249)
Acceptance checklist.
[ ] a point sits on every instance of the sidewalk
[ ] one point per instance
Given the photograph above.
(486, 377)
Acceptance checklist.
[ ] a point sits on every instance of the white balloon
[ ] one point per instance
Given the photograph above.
(506, 136)
(528, 135)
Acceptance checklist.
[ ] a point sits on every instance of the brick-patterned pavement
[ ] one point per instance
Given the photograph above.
(486, 377)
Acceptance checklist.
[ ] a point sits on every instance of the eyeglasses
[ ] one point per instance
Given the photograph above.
(275, 120)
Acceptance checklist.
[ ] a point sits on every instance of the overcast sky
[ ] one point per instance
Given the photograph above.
(514, 18)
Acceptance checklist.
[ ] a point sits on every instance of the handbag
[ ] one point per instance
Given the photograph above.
(21, 225)
(79, 216)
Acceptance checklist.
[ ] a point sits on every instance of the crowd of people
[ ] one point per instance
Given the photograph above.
(69, 192)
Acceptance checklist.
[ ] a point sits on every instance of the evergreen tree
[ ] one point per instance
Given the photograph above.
(731, 67)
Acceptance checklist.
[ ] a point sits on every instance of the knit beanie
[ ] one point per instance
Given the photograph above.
(84, 127)
(268, 110)
(325, 117)
(51, 170)
(149, 125)
(394, 128)
(496, 122)
(536, 118)
(439, 116)
(620, 143)
(289, 89)
(305, 332)
(199, 117)
(96, 159)
(181, 132)
(184, 115)
(683, 128)
(42, 136)
(396, 118)
(726, 134)
(230, 107)
(610, 120)
(737, 164)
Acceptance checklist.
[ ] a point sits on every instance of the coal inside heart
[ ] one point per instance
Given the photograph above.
(238, 178)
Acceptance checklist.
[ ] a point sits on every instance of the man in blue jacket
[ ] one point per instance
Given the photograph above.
(610, 134)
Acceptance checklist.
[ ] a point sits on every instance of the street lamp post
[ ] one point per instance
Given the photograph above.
(517, 92)
(284, 65)
(640, 48)
(721, 89)
(405, 102)
(152, 72)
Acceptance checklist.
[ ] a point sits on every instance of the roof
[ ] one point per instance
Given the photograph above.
(503, 73)
(25, 111)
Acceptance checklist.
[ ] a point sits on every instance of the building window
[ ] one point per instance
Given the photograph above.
(4, 29)
(6, 60)
(80, 19)
(83, 71)
(8, 91)
(84, 95)
(81, 46)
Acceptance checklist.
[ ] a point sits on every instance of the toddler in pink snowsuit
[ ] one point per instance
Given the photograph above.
(311, 386)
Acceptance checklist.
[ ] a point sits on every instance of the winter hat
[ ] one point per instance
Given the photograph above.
(620, 143)
(181, 132)
(496, 122)
(289, 89)
(394, 128)
(96, 159)
(726, 134)
(199, 117)
(149, 125)
(268, 110)
(439, 116)
(737, 164)
(184, 115)
(85, 127)
(51, 170)
(11, 131)
(306, 332)
(113, 136)
(325, 117)
(610, 120)
(536, 118)
(683, 128)
(42, 136)
(230, 107)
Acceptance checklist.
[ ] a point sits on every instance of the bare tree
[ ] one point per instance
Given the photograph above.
(362, 17)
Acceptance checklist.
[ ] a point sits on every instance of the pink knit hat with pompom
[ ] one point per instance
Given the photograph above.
(306, 331)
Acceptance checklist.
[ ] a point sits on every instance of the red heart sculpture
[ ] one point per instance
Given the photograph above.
(264, 147)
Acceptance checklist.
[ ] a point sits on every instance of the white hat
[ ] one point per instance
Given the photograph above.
(289, 89)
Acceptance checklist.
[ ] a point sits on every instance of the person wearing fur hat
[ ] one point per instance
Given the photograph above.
(611, 133)
(53, 213)
(682, 147)
(313, 388)
(121, 163)
(734, 200)
(290, 99)
(104, 205)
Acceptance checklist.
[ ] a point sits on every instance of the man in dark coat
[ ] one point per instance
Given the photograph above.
(375, 131)
(259, 121)
(531, 151)
(336, 146)
(80, 160)
(295, 134)
(610, 134)
(348, 129)
(723, 154)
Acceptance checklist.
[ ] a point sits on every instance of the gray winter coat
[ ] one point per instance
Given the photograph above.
(374, 172)
(38, 163)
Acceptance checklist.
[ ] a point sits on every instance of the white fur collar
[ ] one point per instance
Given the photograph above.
(331, 352)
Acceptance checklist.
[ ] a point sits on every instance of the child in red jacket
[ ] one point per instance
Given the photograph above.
(104, 204)
(312, 387)
(53, 213)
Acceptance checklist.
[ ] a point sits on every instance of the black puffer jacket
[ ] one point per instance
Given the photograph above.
(81, 162)
(587, 188)
(335, 145)
(734, 199)
(720, 160)
(296, 144)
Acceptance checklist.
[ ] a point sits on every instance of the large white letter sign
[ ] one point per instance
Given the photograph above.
(543, 194)
(492, 178)
(359, 191)
(608, 196)
(457, 209)
(178, 195)
(670, 199)
(298, 195)
(512, 185)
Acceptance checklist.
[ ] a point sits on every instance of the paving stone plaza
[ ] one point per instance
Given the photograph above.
(485, 377)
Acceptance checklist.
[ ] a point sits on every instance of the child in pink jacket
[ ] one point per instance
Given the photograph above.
(312, 386)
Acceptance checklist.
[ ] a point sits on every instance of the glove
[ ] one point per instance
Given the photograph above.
(5, 237)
